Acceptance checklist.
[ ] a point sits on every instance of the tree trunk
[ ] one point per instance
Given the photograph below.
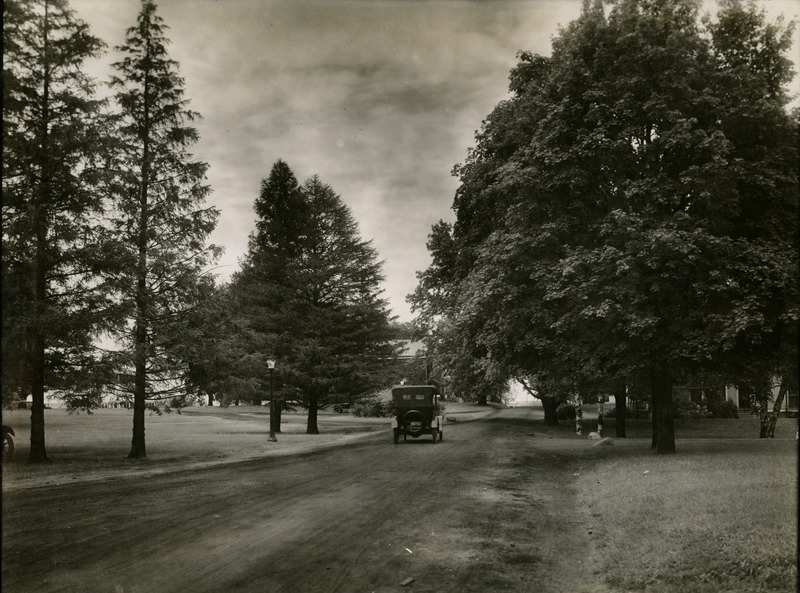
(762, 391)
(210, 400)
(600, 410)
(620, 410)
(578, 415)
(313, 406)
(661, 392)
(38, 452)
(776, 410)
(138, 450)
(482, 399)
(550, 405)
(278, 415)
(653, 422)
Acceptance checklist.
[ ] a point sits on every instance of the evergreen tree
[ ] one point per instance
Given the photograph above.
(53, 145)
(310, 290)
(161, 218)
(259, 287)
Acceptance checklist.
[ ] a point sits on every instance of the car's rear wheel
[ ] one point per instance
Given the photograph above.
(8, 448)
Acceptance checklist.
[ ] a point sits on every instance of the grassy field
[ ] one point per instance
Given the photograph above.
(720, 516)
(86, 446)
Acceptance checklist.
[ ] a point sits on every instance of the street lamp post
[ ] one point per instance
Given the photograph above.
(271, 366)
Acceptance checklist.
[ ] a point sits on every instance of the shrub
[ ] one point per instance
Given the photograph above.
(565, 411)
(723, 409)
(374, 408)
(685, 409)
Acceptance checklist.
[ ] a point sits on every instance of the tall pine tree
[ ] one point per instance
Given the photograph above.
(161, 218)
(53, 147)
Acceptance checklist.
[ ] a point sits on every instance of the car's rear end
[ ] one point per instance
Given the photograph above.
(415, 412)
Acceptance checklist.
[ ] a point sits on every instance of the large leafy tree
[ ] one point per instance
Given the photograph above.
(630, 210)
(54, 142)
(161, 217)
(754, 70)
(471, 373)
(434, 298)
(310, 290)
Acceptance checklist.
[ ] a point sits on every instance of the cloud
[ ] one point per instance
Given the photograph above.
(379, 97)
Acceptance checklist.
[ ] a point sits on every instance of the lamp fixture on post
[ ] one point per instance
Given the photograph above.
(271, 367)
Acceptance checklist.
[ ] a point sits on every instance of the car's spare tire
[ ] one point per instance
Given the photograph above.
(414, 421)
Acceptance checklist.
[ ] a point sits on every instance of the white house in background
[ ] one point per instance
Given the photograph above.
(742, 400)
(520, 397)
(411, 349)
(52, 401)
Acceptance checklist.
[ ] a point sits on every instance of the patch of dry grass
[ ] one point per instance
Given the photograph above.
(720, 516)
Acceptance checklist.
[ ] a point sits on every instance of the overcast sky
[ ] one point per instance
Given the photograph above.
(379, 97)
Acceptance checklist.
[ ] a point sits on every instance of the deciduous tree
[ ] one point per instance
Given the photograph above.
(630, 209)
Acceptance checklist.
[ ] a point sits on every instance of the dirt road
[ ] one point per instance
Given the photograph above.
(490, 508)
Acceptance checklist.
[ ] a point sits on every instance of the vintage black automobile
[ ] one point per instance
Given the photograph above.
(415, 412)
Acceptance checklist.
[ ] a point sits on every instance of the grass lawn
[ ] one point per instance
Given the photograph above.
(720, 516)
(83, 446)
